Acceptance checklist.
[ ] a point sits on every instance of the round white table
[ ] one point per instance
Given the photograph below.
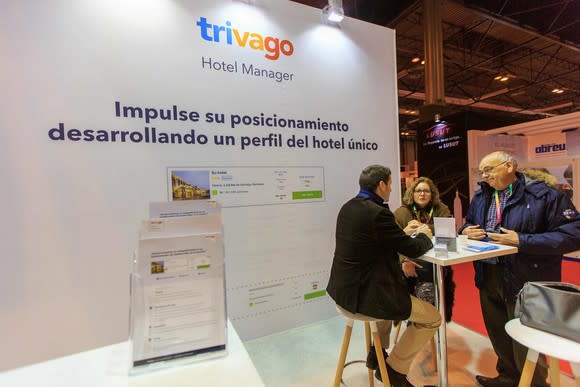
(556, 347)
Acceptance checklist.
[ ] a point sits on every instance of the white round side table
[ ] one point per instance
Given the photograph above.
(556, 347)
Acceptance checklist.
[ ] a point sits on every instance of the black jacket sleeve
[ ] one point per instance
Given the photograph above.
(392, 236)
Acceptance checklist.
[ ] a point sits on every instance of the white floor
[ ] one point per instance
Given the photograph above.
(307, 357)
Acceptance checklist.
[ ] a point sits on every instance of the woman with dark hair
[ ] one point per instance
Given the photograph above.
(421, 203)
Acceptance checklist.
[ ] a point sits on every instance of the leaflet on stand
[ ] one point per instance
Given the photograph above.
(178, 290)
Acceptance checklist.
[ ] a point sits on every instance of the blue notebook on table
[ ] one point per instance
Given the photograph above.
(481, 248)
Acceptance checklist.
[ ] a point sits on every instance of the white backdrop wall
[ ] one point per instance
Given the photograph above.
(73, 200)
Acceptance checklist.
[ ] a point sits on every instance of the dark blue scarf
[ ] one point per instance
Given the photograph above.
(367, 195)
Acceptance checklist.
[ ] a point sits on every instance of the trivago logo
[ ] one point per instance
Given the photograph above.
(217, 33)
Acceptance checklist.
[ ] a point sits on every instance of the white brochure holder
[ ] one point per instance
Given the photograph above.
(445, 234)
(178, 306)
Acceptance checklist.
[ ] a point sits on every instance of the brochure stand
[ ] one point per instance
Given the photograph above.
(445, 235)
(178, 307)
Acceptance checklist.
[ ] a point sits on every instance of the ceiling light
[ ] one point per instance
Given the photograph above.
(423, 62)
(408, 111)
(416, 59)
(504, 78)
(497, 77)
(558, 91)
(334, 12)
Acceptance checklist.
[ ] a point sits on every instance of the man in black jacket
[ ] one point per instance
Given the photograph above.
(366, 277)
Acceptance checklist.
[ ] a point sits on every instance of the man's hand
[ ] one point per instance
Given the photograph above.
(509, 237)
(424, 229)
(411, 227)
(410, 268)
(474, 232)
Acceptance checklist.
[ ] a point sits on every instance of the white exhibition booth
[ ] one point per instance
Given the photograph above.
(110, 105)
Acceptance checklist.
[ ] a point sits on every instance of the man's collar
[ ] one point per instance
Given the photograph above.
(367, 195)
(485, 187)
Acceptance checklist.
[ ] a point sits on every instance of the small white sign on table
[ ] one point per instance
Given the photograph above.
(444, 235)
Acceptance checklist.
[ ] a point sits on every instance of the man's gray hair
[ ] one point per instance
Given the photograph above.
(505, 157)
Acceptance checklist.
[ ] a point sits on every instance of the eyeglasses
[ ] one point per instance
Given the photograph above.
(488, 170)
(422, 191)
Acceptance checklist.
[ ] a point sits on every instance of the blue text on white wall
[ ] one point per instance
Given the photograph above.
(547, 148)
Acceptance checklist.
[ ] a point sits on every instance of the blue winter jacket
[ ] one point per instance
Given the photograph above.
(548, 226)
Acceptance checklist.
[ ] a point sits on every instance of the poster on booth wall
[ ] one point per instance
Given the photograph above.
(442, 151)
(248, 186)
(549, 153)
(573, 142)
(547, 146)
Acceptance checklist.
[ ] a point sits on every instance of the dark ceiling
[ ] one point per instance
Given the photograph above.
(519, 58)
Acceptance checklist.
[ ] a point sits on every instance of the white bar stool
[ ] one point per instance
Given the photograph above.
(556, 347)
(370, 324)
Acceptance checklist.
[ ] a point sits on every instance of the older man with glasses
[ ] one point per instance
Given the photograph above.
(542, 222)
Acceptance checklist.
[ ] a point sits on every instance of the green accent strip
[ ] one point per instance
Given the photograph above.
(214, 192)
(203, 266)
(298, 195)
(310, 296)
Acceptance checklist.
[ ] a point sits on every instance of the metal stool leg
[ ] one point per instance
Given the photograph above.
(343, 351)
(368, 348)
(554, 372)
(379, 352)
(398, 331)
(529, 367)
(576, 372)
(434, 353)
